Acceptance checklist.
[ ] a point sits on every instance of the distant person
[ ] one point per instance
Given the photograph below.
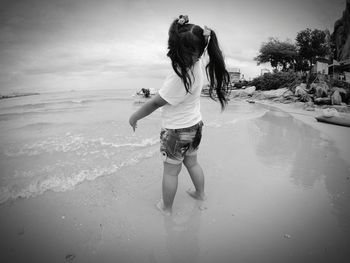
(195, 55)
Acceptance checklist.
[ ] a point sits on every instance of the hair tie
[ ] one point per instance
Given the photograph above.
(206, 31)
(182, 20)
(206, 34)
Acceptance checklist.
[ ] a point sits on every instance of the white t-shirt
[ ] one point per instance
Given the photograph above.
(183, 109)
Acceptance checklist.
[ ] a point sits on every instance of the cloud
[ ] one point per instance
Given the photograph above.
(93, 42)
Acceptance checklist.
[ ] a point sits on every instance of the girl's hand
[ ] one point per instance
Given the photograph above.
(133, 123)
(146, 109)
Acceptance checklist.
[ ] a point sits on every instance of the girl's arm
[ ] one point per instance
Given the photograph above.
(146, 109)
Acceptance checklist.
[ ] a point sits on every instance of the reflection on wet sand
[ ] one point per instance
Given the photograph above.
(310, 156)
(312, 163)
(182, 230)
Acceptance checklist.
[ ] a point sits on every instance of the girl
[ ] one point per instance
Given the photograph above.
(179, 98)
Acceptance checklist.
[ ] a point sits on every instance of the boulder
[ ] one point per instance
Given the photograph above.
(271, 94)
(321, 90)
(258, 95)
(336, 98)
(323, 100)
(313, 87)
(330, 112)
(236, 93)
(303, 85)
(288, 93)
(309, 106)
(249, 90)
(301, 92)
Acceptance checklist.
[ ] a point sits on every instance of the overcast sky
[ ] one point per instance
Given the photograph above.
(52, 45)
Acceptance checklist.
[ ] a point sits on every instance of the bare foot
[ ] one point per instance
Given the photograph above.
(160, 207)
(194, 194)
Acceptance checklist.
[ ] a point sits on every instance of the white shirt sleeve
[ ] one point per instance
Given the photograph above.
(173, 90)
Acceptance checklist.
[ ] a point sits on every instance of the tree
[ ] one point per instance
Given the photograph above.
(313, 44)
(301, 64)
(277, 53)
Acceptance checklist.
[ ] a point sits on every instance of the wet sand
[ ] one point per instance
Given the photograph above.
(338, 134)
(277, 186)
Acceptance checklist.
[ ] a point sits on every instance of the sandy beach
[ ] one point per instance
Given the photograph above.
(277, 186)
(78, 183)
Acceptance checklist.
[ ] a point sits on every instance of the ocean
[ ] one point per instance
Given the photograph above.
(54, 141)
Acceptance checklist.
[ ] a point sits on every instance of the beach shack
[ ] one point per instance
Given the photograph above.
(321, 66)
(235, 74)
(340, 70)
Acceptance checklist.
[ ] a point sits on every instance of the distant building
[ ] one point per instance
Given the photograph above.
(340, 70)
(235, 74)
(321, 66)
(264, 70)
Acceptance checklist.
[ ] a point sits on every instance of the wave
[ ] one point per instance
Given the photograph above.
(45, 124)
(73, 143)
(14, 115)
(243, 117)
(57, 104)
(61, 183)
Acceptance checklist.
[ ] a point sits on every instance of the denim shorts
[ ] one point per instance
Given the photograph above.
(175, 144)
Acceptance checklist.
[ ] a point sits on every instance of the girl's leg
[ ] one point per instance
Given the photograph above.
(169, 185)
(197, 176)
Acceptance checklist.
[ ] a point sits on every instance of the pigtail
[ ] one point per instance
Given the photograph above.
(216, 71)
(181, 58)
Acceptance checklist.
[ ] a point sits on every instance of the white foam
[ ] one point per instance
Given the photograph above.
(59, 182)
(236, 119)
(72, 143)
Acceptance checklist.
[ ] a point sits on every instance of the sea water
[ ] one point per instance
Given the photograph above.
(54, 141)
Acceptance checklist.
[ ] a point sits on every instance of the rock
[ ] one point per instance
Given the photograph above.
(313, 87)
(309, 106)
(271, 94)
(330, 112)
(236, 93)
(288, 93)
(301, 92)
(321, 90)
(303, 85)
(249, 90)
(258, 95)
(341, 90)
(344, 94)
(341, 35)
(336, 98)
(342, 108)
(322, 101)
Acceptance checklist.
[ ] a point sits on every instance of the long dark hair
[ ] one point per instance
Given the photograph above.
(186, 44)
